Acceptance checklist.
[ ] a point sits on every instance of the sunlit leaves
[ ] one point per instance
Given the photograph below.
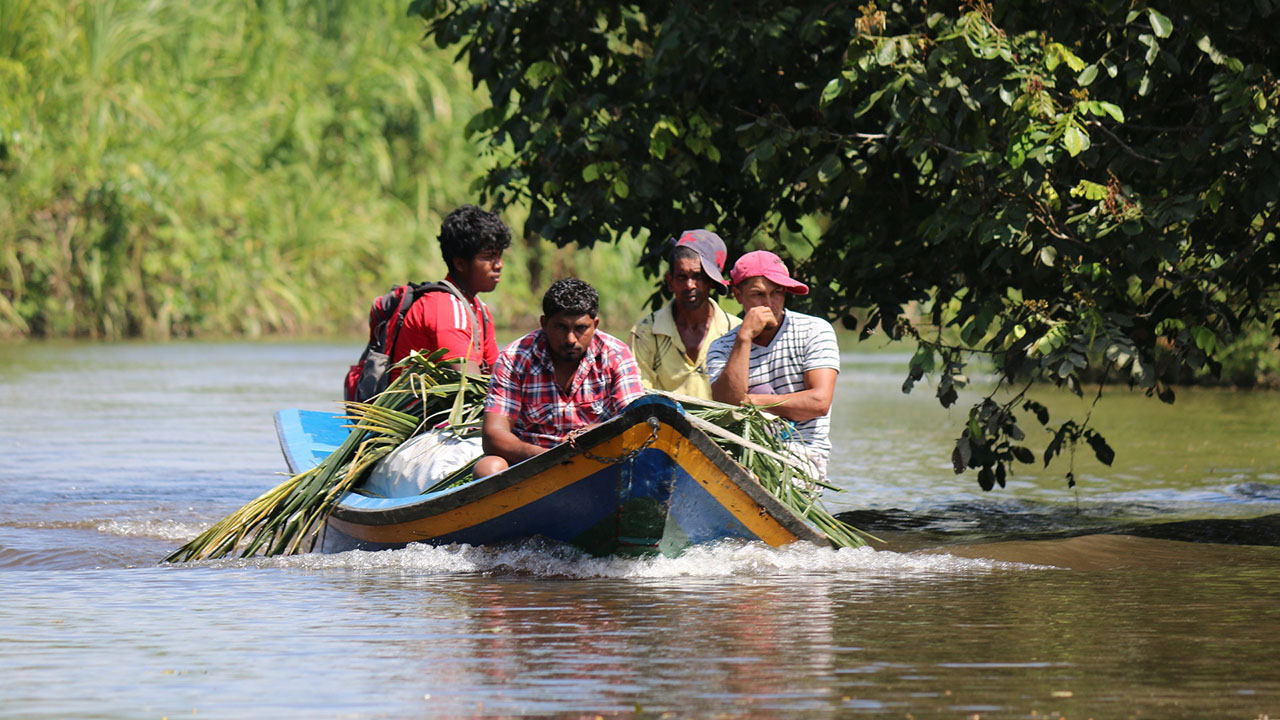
(1160, 24)
(1075, 139)
(1056, 53)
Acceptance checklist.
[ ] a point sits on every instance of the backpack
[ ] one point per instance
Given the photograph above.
(372, 372)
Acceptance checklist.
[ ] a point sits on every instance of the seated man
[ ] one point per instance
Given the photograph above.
(777, 356)
(555, 380)
(472, 241)
(670, 343)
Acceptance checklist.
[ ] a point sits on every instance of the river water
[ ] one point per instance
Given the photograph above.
(1151, 590)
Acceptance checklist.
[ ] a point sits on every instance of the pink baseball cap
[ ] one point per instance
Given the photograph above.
(762, 263)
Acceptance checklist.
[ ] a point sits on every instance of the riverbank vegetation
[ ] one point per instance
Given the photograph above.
(235, 168)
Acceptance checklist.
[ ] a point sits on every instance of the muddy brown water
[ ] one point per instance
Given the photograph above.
(1152, 589)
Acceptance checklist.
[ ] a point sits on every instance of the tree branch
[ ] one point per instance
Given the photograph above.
(1130, 151)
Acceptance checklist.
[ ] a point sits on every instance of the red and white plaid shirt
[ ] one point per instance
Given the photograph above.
(523, 388)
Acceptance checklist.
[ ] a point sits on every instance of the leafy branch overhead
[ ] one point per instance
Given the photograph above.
(1075, 191)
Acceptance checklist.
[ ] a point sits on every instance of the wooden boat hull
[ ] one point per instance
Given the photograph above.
(645, 481)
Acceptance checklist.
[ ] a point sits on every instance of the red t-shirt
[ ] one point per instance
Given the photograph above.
(440, 320)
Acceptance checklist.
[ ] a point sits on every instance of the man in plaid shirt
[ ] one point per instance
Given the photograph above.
(555, 380)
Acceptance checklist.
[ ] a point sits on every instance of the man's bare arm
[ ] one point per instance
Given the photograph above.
(497, 438)
(814, 401)
(731, 386)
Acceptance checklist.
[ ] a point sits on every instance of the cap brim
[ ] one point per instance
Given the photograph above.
(713, 272)
(795, 287)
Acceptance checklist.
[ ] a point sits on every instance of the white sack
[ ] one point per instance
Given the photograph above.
(420, 462)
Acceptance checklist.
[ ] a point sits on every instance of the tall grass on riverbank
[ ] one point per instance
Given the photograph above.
(217, 167)
(226, 167)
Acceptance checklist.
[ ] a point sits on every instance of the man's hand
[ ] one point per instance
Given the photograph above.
(758, 319)
(498, 438)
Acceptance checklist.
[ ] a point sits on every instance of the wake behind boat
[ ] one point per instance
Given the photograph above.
(647, 480)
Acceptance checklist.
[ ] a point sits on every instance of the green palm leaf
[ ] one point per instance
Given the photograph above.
(285, 518)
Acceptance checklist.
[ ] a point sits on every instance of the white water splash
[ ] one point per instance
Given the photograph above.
(720, 560)
(170, 530)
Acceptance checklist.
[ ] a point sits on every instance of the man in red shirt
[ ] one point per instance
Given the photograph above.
(471, 243)
(555, 380)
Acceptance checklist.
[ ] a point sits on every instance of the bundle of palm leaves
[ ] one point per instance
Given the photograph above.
(284, 520)
(432, 393)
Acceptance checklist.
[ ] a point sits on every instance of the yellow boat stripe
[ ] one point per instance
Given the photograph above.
(703, 470)
(497, 504)
(749, 512)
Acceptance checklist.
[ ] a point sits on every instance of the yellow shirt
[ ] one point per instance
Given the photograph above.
(659, 351)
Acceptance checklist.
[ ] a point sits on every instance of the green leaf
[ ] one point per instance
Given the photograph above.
(887, 53)
(1016, 155)
(1111, 109)
(1089, 190)
(1048, 256)
(541, 70)
(1160, 24)
(620, 188)
(591, 172)
(1087, 76)
(1052, 58)
(1073, 61)
(1206, 46)
(1205, 339)
(832, 90)
(1075, 140)
(831, 168)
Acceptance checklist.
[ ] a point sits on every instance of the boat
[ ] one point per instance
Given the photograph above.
(647, 481)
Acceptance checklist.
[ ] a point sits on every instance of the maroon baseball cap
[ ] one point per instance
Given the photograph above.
(762, 263)
(710, 249)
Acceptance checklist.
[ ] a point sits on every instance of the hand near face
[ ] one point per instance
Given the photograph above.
(757, 320)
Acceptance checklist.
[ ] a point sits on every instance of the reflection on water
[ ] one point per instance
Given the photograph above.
(1150, 590)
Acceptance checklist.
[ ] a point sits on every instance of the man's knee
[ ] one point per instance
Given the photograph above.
(489, 465)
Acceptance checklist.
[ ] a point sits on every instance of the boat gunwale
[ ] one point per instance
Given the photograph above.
(663, 410)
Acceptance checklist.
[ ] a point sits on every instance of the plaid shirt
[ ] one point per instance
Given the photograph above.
(523, 388)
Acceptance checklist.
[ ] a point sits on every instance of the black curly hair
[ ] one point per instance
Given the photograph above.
(572, 296)
(469, 231)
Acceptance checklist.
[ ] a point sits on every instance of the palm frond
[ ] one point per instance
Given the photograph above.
(760, 443)
(285, 518)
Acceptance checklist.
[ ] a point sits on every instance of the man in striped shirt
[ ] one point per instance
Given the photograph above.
(560, 378)
(778, 357)
(472, 241)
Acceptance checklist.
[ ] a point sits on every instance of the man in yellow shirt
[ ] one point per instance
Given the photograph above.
(670, 344)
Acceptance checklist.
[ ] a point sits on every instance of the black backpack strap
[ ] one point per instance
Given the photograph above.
(476, 328)
(410, 296)
(417, 290)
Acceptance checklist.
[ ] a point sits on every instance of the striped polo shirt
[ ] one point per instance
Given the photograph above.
(803, 343)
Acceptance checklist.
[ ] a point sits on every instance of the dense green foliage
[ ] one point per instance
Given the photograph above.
(1070, 190)
(228, 167)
